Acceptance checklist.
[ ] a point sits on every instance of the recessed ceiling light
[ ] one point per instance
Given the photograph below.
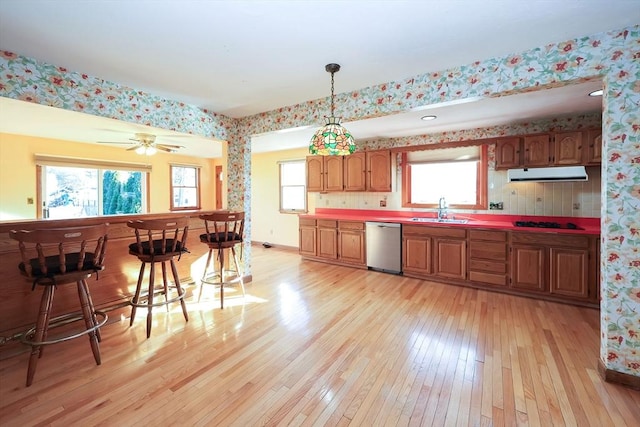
(427, 118)
(596, 93)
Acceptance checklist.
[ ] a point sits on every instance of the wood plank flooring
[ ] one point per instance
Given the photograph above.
(321, 345)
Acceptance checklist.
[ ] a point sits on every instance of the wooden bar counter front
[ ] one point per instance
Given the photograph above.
(111, 289)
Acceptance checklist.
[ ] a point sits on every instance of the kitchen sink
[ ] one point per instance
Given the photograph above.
(441, 221)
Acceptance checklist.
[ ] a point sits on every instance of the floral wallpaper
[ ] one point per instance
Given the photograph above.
(612, 56)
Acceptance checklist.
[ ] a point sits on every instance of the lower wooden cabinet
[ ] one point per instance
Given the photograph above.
(436, 251)
(562, 267)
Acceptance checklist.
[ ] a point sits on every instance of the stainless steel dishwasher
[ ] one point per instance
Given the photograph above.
(384, 246)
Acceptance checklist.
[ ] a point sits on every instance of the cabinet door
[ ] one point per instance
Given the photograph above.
(351, 246)
(536, 150)
(568, 148)
(528, 268)
(594, 149)
(379, 170)
(450, 258)
(307, 242)
(569, 272)
(355, 172)
(416, 255)
(315, 173)
(333, 173)
(508, 153)
(328, 243)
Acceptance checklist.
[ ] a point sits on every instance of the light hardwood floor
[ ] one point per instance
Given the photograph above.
(316, 344)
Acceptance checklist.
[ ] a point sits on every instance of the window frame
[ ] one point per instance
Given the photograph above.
(481, 181)
(44, 161)
(303, 185)
(172, 187)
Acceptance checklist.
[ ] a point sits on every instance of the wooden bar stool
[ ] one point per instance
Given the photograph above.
(158, 240)
(55, 257)
(224, 230)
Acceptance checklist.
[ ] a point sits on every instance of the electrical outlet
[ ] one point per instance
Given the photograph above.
(383, 203)
(29, 200)
(496, 206)
(576, 206)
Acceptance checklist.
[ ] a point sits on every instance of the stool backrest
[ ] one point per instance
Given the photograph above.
(224, 226)
(59, 251)
(160, 236)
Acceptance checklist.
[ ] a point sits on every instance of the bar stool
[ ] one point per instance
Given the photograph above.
(158, 240)
(224, 230)
(55, 257)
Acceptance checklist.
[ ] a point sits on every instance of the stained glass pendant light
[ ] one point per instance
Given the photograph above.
(332, 139)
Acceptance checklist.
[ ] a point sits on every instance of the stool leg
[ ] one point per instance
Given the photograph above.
(136, 296)
(166, 287)
(221, 256)
(152, 275)
(204, 274)
(238, 272)
(42, 324)
(93, 312)
(89, 319)
(176, 279)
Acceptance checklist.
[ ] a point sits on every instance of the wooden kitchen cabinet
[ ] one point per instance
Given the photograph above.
(324, 173)
(368, 171)
(567, 148)
(594, 147)
(351, 242)
(508, 153)
(528, 266)
(488, 260)
(307, 244)
(327, 239)
(437, 251)
(536, 150)
(558, 264)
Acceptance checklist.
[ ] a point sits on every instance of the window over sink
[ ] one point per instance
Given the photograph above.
(458, 174)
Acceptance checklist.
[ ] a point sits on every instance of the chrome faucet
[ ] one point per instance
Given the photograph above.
(442, 208)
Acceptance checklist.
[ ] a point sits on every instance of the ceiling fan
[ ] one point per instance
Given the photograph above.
(145, 143)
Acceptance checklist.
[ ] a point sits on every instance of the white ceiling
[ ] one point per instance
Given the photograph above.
(240, 57)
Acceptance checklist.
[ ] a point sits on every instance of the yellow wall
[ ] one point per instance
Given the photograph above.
(18, 172)
(268, 224)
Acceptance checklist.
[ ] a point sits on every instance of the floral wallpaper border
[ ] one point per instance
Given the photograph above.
(612, 56)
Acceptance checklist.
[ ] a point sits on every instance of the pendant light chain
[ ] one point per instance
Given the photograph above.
(332, 95)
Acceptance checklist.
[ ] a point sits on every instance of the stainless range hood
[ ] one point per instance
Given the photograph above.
(568, 173)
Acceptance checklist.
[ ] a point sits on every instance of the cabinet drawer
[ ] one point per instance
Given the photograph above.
(308, 222)
(327, 223)
(491, 278)
(487, 250)
(551, 239)
(484, 265)
(350, 225)
(420, 230)
(494, 236)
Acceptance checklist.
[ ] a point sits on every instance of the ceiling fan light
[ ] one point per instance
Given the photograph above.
(141, 150)
(150, 150)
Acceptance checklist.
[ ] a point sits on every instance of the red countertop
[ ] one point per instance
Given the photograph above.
(495, 221)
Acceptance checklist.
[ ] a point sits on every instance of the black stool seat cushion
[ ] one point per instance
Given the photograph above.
(221, 237)
(157, 248)
(53, 265)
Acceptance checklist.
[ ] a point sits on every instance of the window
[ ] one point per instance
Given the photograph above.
(71, 192)
(185, 187)
(293, 186)
(457, 174)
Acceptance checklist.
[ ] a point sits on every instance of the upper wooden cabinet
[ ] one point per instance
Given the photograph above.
(567, 148)
(324, 173)
(508, 154)
(536, 150)
(554, 149)
(361, 171)
(594, 146)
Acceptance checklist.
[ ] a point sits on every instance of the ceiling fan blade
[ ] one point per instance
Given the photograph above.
(114, 142)
(165, 148)
(135, 147)
(170, 145)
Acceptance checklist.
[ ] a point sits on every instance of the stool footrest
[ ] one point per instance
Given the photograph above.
(63, 320)
(155, 304)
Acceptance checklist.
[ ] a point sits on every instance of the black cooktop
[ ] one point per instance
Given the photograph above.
(546, 224)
